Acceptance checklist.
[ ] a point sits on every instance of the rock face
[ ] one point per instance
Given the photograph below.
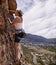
(9, 50)
(12, 4)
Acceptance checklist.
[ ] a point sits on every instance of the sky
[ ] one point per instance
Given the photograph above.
(39, 17)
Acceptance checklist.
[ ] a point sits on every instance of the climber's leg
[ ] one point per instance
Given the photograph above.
(16, 50)
(17, 53)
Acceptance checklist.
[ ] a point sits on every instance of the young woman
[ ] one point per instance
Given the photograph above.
(17, 22)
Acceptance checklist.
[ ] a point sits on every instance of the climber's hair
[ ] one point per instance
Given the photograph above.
(20, 13)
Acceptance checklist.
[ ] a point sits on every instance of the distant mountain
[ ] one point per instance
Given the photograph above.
(36, 38)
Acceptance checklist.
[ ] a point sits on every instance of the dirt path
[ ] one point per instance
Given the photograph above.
(34, 58)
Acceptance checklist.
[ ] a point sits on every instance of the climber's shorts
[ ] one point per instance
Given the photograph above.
(17, 38)
(19, 35)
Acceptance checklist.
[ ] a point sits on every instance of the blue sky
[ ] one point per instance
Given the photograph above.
(39, 17)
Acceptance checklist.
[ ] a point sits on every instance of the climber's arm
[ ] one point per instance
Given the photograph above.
(16, 20)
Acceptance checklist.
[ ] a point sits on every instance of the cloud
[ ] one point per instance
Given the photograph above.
(24, 5)
(41, 19)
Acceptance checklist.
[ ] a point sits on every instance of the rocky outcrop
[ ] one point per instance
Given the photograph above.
(12, 4)
(10, 53)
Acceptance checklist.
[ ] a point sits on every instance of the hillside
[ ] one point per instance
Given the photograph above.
(36, 38)
(38, 55)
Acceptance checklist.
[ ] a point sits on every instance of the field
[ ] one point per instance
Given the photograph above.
(39, 55)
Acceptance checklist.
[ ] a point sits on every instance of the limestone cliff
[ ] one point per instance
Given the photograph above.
(10, 52)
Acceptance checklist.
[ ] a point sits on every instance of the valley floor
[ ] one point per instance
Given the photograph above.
(39, 55)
